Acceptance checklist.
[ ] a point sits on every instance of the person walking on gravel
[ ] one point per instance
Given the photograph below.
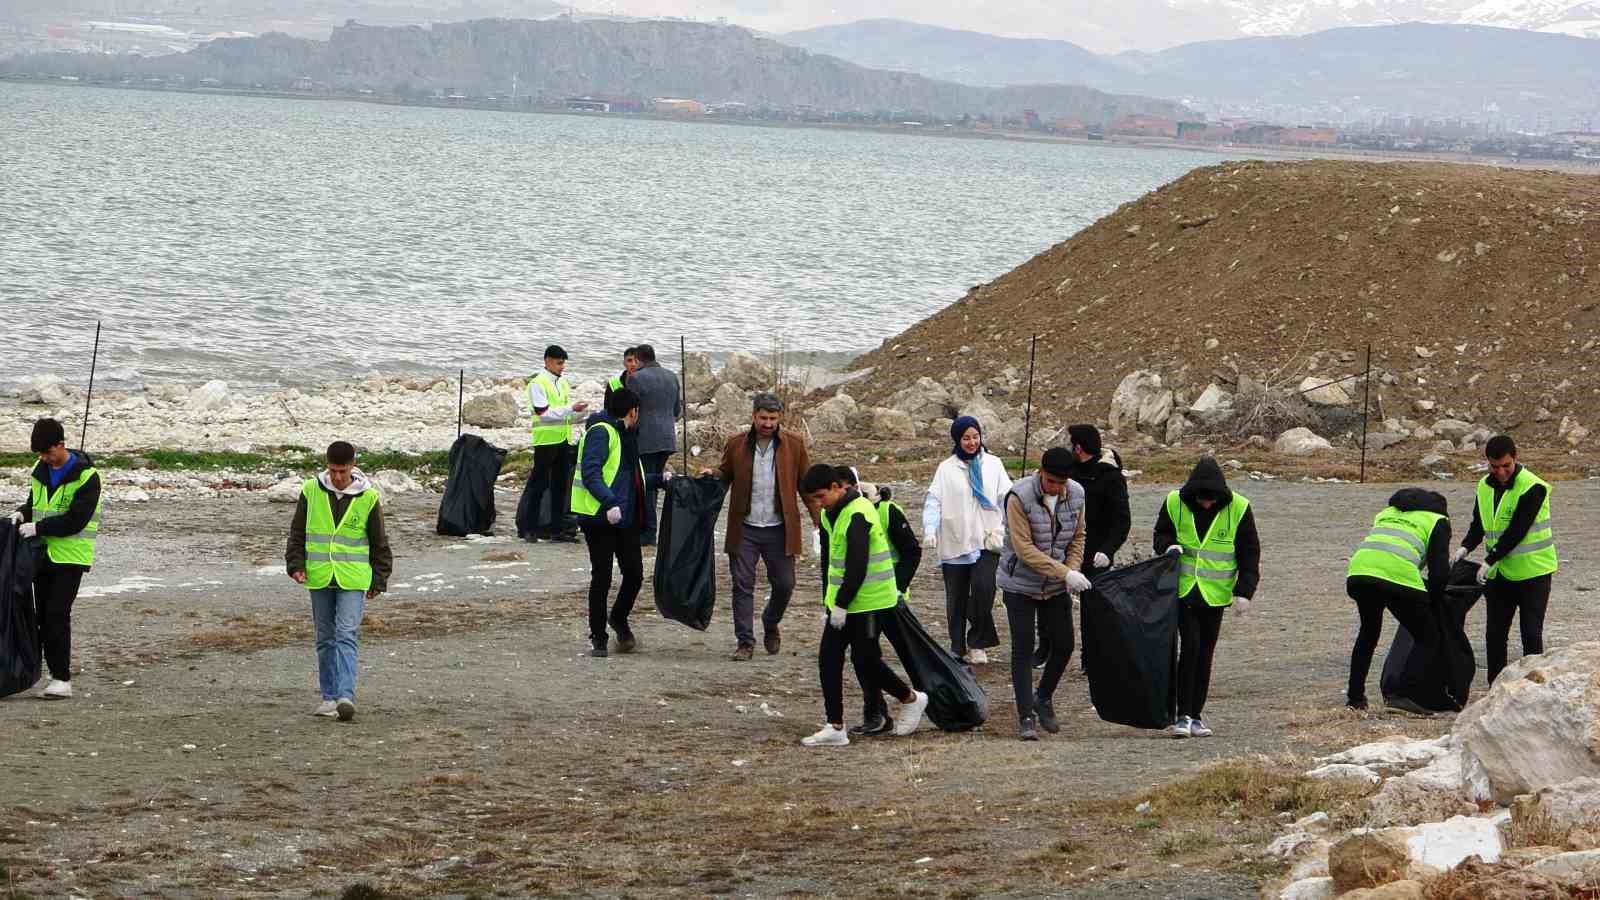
(1213, 532)
(763, 466)
(339, 550)
(962, 521)
(554, 415)
(1040, 568)
(1105, 503)
(1511, 518)
(858, 604)
(63, 510)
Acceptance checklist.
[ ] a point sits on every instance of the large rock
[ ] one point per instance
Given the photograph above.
(1537, 726)
(1432, 793)
(212, 395)
(748, 371)
(1443, 845)
(1345, 772)
(1177, 427)
(45, 389)
(1478, 880)
(1452, 429)
(1301, 442)
(1562, 807)
(925, 400)
(882, 423)
(1383, 440)
(391, 481)
(833, 415)
(1395, 753)
(1140, 402)
(1308, 889)
(285, 491)
(1367, 860)
(1211, 400)
(1319, 392)
(496, 410)
(1394, 890)
(730, 405)
(1580, 867)
(698, 382)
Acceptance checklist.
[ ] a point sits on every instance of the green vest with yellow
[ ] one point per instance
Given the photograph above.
(583, 502)
(338, 554)
(878, 589)
(1396, 549)
(557, 394)
(1536, 554)
(74, 549)
(883, 507)
(615, 384)
(1209, 563)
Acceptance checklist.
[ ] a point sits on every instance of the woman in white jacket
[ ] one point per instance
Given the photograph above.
(964, 520)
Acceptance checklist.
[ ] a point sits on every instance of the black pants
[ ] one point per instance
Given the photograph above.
(1411, 609)
(1055, 623)
(860, 637)
(605, 543)
(969, 603)
(1502, 601)
(54, 590)
(1043, 652)
(549, 481)
(1199, 627)
(653, 464)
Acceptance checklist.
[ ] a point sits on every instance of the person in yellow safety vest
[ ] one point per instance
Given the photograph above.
(338, 549)
(1410, 537)
(1213, 531)
(907, 557)
(62, 511)
(630, 364)
(859, 597)
(1511, 518)
(555, 416)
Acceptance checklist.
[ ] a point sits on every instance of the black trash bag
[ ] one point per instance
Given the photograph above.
(19, 630)
(468, 504)
(1441, 678)
(686, 553)
(1130, 642)
(956, 702)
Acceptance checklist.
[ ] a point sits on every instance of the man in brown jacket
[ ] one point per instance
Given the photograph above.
(763, 466)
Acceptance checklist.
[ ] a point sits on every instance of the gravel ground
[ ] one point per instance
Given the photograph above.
(491, 757)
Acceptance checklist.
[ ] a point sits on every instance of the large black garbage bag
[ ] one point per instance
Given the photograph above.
(1130, 642)
(19, 631)
(955, 700)
(686, 554)
(468, 504)
(1438, 677)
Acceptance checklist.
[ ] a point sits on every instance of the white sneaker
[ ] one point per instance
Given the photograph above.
(909, 715)
(1197, 728)
(345, 709)
(56, 690)
(1179, 728)
(829, 736)
(328, 709)
(977, 657)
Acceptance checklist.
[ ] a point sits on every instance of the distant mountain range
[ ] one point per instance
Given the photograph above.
(563, 57)
(1415, 69)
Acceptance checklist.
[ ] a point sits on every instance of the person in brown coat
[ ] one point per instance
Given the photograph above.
(763, 468)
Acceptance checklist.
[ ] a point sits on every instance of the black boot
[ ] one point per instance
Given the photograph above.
(597, 649)
(1028, 730)
(1046, 713)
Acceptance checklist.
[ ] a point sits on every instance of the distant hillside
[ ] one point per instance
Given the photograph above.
(1432, 70)
(564, 57)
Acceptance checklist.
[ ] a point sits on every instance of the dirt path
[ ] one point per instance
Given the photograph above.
(492, 758)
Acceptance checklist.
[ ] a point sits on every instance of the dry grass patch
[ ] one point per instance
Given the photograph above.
(1255, 790)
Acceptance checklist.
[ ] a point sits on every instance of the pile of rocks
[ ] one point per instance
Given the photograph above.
(1507, 803)
(928, 407)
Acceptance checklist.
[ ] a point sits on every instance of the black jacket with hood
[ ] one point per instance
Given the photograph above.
(1419, 499)
(77, 516)
(1207, 477)
(1105, 506)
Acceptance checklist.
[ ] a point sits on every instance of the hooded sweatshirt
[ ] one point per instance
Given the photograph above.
(1207, 477)
(1105, 499)
(381, 556)
(1418, 499)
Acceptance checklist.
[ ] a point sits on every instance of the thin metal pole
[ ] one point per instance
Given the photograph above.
(683, 397)
(1027, 416)
(1366, 402)
(461, 400)
(83, 438)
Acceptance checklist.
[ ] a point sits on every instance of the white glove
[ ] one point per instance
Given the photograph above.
(1175, 549)
(1459, 554)
(666, 475)
(931, 542)
(16, 517)
(29, 529)
(1483, 572)
(1241, 607)
(816, 543)
(836, 618)
(614, 515)
(1102, 561)
(1076, 583)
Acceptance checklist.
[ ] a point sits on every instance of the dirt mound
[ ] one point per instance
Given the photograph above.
(1472, 285)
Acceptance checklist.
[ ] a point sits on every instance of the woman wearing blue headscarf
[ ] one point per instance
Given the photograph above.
(963, 519)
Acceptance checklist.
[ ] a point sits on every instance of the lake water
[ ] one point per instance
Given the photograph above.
(267, 241)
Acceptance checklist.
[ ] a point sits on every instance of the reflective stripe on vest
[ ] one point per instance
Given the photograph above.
(1396, 549)
(587, 504)
(615, 383)
(1535, 555)
(73, 549)
(337, 554)
(1210, 563)
(878, 590)
(557, 394)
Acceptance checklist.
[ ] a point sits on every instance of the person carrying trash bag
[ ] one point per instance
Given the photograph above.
(1213, 532)
(858, 605)
(1409, 537)
(1040, 568)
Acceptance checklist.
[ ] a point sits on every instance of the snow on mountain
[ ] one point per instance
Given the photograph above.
(1574, 17)
(1292, 17)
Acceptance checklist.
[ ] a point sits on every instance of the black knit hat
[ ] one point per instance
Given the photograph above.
(554, 351)
(1058, 462)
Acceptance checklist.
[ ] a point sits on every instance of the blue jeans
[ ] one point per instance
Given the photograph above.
(337, 616)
